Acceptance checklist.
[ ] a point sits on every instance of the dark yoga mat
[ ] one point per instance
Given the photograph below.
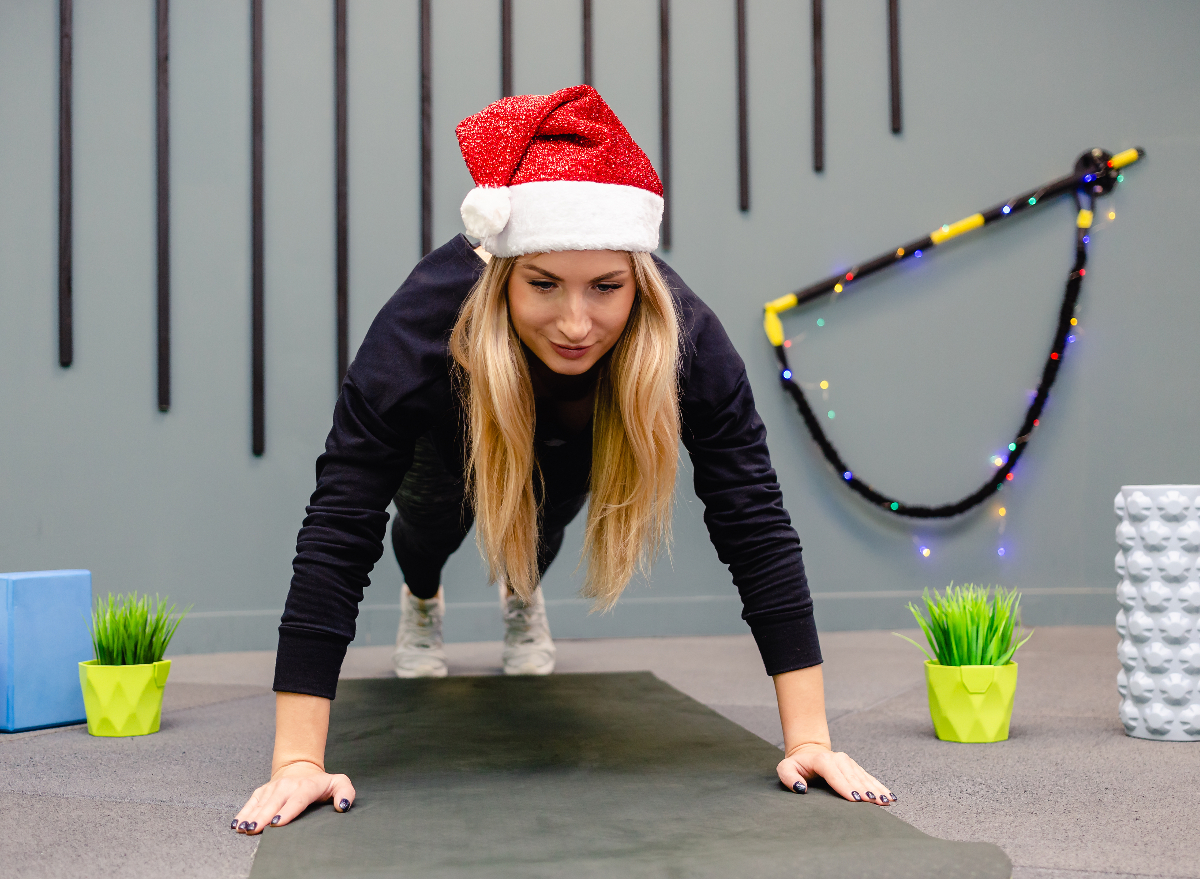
(580, 776)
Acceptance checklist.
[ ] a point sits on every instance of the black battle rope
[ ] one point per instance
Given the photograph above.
(1096, 173)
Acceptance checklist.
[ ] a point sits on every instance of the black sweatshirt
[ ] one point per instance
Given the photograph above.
(398, 388)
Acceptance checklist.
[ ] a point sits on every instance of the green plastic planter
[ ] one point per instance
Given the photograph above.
(123, 700)
(971, 703)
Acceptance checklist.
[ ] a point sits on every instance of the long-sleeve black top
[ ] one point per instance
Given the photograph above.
(399, 388)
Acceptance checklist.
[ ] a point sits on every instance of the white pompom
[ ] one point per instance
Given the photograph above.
(485, 211)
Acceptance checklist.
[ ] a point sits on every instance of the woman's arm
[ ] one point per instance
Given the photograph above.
(298, 776)
(807, 751)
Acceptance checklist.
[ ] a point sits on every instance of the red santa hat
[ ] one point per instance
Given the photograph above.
(557, 172)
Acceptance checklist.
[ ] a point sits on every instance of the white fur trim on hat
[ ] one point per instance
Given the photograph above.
(563, 215)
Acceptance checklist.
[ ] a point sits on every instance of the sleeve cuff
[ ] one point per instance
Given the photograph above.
(308, 663)
(787, 644)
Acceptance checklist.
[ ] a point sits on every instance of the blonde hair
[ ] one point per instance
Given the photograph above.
(635, 436)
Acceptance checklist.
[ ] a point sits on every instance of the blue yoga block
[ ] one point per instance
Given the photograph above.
(45, 618)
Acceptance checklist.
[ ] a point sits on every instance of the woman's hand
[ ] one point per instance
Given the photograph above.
(298, 776)
(291, 790)
(839, 770)
(801, 695)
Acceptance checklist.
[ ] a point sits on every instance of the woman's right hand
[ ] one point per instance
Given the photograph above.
(298, 776)
(291, 790)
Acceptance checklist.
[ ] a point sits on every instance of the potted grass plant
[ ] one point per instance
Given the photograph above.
(123, 685)
(970, 675)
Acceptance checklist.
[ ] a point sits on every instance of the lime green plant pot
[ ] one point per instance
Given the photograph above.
(971, 703)
(123, 700)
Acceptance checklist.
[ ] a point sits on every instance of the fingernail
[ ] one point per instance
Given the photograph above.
(344, 805)
(870, 796)
(800, 787)
(894, 796)
(245, 825)
(883, 798)
(253, 825)
(857, 796)
(276, 819)
(233, 824)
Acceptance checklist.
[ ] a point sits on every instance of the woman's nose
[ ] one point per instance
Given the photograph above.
(573, 321)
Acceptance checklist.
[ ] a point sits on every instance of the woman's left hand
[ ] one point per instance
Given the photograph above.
(808, 761)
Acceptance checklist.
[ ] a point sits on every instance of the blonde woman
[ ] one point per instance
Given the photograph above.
(557, 363)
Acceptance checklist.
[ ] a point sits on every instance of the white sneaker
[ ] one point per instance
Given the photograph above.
(419, 649)
(528, 649)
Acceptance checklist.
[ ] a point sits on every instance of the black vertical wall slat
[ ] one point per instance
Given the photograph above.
(587, 42)
(66, 314)
(426, 61)
(743, 111)
(664, 110)
(506, 62)
(818, 105)
(894, 62)
(257, 316)
(343, 189)
(163, 142)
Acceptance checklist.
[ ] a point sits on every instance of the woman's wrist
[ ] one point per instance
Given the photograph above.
(299, 766)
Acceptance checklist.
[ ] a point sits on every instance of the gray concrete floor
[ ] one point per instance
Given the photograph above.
(1069, 796)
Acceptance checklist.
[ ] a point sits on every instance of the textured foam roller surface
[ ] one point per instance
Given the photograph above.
(586, 775)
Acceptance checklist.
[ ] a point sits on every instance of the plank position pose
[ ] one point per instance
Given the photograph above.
(556, 364)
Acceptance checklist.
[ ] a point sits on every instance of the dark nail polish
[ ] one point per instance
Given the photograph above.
(894, 797)
(233, 824)
(883, 799)
(253, 825)
(245, 825)
(344, 805)
(870, 796)
(857, 796)
(800, 787)
(276, 819)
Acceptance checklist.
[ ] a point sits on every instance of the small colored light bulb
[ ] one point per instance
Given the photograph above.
(1074, 321)
(820, 321)
(925, 551)
(1120, 178)
(1033, 200)
(945, 228)
(1112, 215)
(899, 251)
(830, 413)
(849, 276)
(1000, 551)
(1002, 511)
(1009, 477)
(1070, 339)
(837, 288)
(895, 506)
(787, 373)
(917, 254)
(1053, 355)
(1036, 422)
(1087, 239)
(824, 386)
(1006, 209)
(847, 476)
(1012, 447)
(787, 343)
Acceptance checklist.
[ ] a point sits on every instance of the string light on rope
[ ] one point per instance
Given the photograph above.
(1095, 174)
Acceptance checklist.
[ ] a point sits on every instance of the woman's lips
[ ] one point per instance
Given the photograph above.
(571, 353)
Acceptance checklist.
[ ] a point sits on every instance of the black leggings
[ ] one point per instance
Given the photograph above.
(433, 517)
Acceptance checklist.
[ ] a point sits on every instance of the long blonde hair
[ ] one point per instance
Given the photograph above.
(635, 436)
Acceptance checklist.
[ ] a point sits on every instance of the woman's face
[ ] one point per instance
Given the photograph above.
(570, 307)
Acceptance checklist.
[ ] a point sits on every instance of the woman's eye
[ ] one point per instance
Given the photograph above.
(542, 285)
(608, 288)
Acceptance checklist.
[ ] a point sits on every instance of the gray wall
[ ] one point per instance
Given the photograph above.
(929, 365)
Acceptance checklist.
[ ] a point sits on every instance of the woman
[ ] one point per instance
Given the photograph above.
(559, 361)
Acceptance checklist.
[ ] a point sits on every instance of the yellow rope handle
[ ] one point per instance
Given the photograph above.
(966, 224)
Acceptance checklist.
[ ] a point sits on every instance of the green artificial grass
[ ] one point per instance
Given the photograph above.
(966, 628)
(126, 630)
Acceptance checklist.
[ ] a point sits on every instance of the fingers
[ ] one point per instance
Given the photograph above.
(281, 801)
(791, 777)
(342, 792)
(851, 781)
